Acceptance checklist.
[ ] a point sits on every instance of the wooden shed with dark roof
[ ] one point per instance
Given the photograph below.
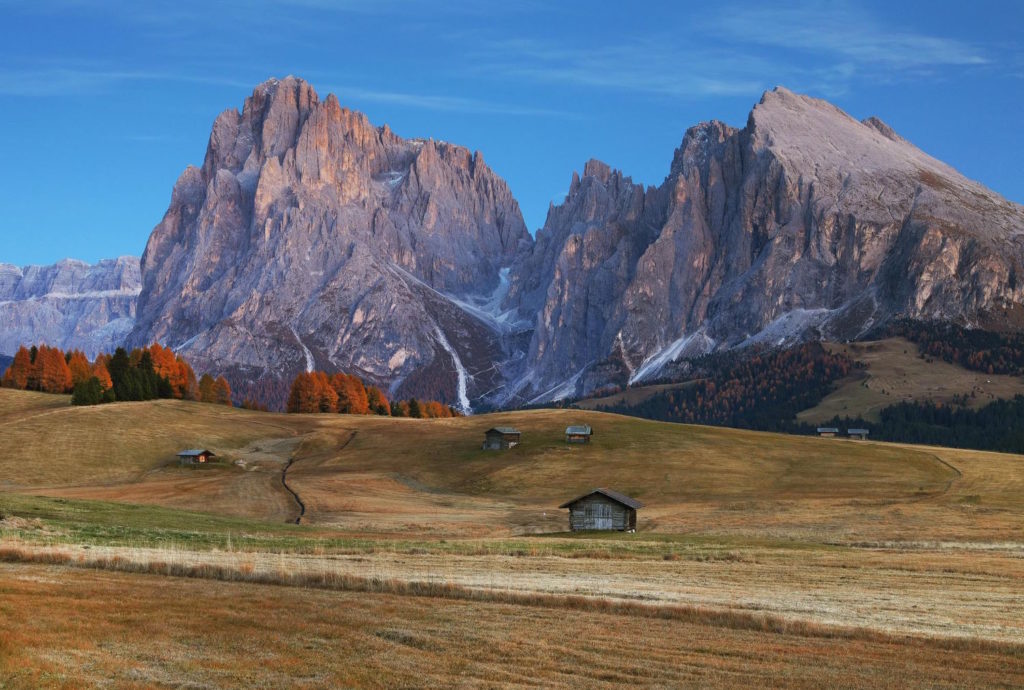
(196, 455)
(602, 509)
(578, 433)
(501, 438)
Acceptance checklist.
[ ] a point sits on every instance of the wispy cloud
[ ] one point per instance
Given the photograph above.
(846, 34)
(43, 81)
(63, 81)
(740, 49)
(437, 102)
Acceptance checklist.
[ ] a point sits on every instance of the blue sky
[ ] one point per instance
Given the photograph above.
(102, 104)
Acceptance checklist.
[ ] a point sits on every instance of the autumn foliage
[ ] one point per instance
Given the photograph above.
(748, 389)
(214, 390)
(346, 394)
(40, 368)
(142, 374)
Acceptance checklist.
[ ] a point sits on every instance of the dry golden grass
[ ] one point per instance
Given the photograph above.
(940, 592)
(743, 534)
(895, 373)
(73, 628)
(404, 476)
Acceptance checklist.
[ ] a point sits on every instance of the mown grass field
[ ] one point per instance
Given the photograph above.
(919, 550)
(74, 628)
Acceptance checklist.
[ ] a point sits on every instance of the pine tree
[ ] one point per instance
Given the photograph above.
(118, 367)
(414, 408)
(88, 392)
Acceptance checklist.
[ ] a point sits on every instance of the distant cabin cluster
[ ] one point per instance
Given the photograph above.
(598, 509)
(505, 437)
(833, 432)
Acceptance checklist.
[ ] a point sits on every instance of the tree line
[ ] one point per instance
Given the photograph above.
(985, 351)
(751, 389)
(318, 391)
(142, 374)
(997, 426)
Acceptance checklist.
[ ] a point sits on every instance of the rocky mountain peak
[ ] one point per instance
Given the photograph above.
(70, 304)
(305, 216)
(882, 128)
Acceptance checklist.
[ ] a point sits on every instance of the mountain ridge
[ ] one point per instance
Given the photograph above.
(310, 238)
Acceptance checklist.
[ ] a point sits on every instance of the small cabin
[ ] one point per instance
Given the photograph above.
(195, 456)
(579, 433)
(501, 438)
(827, 431)
(602, 509)
(859, 434)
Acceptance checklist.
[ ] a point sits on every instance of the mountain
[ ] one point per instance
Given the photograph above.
(806, 223)
(70, 304)
(311, 239)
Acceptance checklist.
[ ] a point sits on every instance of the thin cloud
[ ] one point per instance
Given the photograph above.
(845, 34)
(441, 103)
(649, 66)
(64, 81)
(741, 50)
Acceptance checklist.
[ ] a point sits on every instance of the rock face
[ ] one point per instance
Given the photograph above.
(804, 224)
(70, 304)
(310, 238)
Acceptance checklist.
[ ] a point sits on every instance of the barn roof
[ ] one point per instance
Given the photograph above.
(827, 430)
(503, 430)
(858, 431)
(195, 453)
(614, 495)
(578, 430)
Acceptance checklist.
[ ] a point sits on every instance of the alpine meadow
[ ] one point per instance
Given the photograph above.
(432, 345)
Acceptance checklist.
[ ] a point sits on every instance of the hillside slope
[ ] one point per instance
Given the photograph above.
(405, 476)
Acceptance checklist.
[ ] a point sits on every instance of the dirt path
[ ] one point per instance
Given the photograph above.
(284, 482)
(294, 494)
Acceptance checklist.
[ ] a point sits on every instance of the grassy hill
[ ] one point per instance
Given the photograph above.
(755, 541)
(895, 373)
(407, 476)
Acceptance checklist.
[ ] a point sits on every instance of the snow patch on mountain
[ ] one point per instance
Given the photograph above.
(463, 377)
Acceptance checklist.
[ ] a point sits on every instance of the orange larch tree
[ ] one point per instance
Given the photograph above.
(222, 391)
(17, 375)
(99, 370)
(81, 370)
(207, 385)
(303, 396)
(52, 372)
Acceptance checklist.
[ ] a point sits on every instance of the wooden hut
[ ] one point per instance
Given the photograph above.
(578, 433)
(602, 509)
(195, 456)
(501, 438)
(827, 431)
(859, 434)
